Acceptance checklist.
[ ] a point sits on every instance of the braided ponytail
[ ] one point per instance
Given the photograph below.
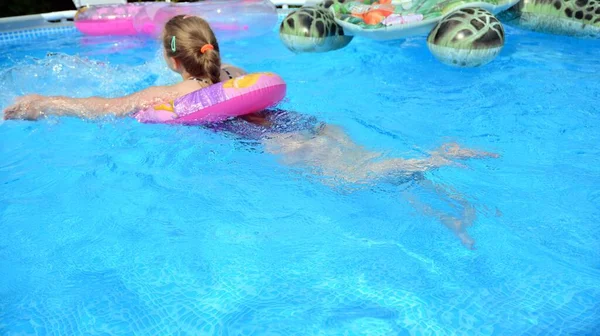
(212, 65)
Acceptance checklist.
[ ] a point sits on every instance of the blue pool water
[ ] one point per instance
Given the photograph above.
(114, 227)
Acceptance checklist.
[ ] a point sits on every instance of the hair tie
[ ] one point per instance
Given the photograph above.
(173, 45)
(207, 47)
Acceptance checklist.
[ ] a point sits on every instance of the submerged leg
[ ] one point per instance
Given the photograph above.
(331, 151)
(458, 224)
(440, 157)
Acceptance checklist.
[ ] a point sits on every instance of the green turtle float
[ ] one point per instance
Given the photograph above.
(462, 33)
(580, 18)
(311, 29)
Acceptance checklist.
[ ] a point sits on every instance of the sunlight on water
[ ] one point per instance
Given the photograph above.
(115, 227)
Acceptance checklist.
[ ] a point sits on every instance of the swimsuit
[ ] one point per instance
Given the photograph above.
(278, 121)
(227, 72)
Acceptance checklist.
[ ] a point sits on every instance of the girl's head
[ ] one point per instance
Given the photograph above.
(190, 46)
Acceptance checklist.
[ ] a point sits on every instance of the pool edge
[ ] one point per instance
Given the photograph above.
(29, 27)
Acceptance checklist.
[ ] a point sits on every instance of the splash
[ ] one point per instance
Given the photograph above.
(60, 74)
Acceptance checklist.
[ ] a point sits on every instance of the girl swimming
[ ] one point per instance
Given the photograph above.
(191, 49)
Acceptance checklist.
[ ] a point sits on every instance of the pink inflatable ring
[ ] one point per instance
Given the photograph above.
(230, 19)
(239, 96)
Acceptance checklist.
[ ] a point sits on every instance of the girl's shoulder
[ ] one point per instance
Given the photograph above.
(229, 71)
(187, 86)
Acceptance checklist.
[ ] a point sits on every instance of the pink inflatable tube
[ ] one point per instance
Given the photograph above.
(235, 97)
(230, 19)
(111, 19)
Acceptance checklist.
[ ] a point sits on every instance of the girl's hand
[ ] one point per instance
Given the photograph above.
(29, 107)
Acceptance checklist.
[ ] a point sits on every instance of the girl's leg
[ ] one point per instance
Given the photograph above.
(333, 152)
(458, 224)
(440, 157)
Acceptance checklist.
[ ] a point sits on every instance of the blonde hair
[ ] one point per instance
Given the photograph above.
(183, 39)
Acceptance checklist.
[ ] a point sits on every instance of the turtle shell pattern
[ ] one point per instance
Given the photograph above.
(468, 28)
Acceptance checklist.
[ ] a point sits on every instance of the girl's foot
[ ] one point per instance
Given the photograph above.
(453, 150)
(466, 240)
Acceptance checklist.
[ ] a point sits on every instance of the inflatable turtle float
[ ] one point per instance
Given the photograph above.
(462, 33)
(580, 18)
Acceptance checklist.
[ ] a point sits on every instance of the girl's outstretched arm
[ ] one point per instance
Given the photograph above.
(32, 107)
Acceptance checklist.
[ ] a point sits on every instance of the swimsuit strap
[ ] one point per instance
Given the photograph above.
(228, 74)
(199, 80)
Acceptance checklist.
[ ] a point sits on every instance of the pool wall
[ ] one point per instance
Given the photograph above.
(29, 27)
